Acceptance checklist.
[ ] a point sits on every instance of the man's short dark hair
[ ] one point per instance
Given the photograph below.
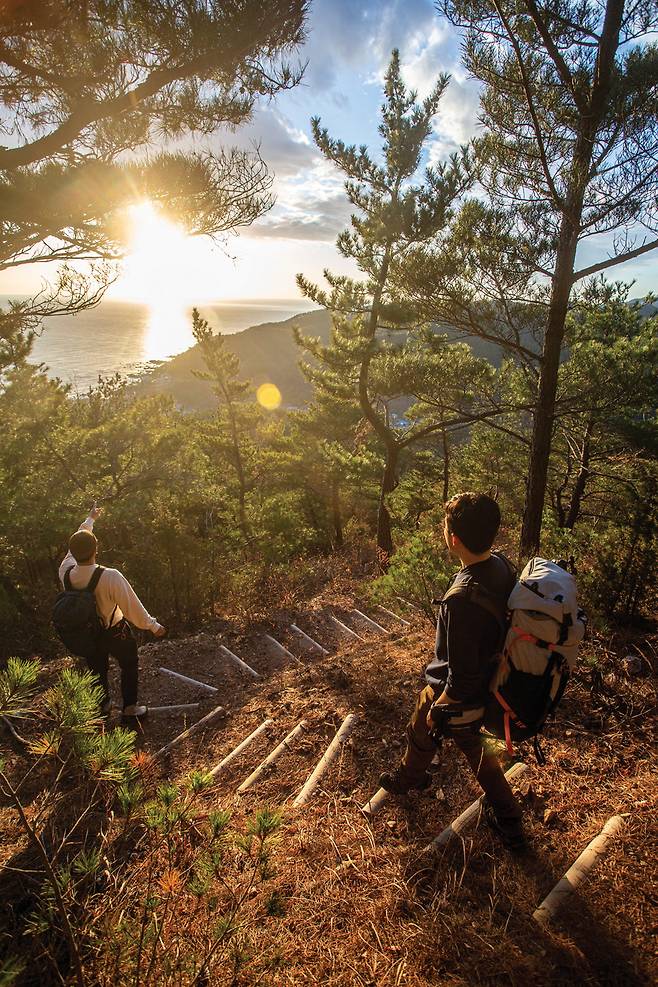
(475, 519)
(83, 546)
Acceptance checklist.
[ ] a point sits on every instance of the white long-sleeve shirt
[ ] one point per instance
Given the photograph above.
(113, 591)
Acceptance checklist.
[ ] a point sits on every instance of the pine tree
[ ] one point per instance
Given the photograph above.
(92, 90)
(223, 370)
(361, 364)
(569, 103)
(608, 395)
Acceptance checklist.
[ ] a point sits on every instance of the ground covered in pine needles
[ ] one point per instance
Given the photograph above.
(358, 902)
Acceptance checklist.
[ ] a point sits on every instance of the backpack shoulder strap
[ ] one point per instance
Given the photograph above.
(93, 582)
(508, 562)
(475, 593)
(67, 579)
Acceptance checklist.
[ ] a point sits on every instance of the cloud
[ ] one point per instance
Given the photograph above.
(428, 55)
(340, 35)
(286, 149)
(348, 49)
(457, 120)
(320, 218)
(345, 37)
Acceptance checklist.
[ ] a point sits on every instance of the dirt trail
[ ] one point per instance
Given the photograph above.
(362, 903)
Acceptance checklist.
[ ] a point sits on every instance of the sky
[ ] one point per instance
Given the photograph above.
(348, 48)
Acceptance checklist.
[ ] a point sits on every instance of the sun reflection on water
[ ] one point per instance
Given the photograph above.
(168, 331)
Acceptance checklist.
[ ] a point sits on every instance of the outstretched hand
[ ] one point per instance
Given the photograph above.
(95, 511)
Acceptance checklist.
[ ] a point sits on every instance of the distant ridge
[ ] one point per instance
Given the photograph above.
(268, 354)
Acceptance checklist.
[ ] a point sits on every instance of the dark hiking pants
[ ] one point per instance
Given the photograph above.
(119, 642)
(482, 761)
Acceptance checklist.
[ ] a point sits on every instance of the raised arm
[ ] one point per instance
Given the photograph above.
(87, 525)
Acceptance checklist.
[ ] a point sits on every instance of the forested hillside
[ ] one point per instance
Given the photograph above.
(268, 354)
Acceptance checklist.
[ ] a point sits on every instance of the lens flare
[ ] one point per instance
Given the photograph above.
(268, 396)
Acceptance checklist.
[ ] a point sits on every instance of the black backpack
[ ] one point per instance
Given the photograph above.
(76, 618)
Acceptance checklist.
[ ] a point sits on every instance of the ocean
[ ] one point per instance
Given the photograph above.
(128, 338)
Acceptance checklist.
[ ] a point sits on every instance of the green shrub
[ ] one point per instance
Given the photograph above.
(137, 881)
(419, 572)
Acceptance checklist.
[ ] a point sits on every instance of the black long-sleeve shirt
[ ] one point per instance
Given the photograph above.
(467, 636)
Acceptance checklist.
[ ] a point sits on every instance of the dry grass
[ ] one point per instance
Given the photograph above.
(361, 903)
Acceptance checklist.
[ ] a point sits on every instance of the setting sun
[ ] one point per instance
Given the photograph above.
(165, 265)
(156, 266)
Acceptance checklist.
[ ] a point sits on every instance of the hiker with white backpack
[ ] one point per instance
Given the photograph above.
(503, 653)
(93, 612)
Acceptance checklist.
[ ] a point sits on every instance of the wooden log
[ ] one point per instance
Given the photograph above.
(199, 725)
(184, 707)
(407, 603)
(309, 640)
(189, 681)
(272, 758)
(394, 616)
(239, 662)
(280, 648)
(381, 797)
(238, 750)
(343, 627)
(469, 814)
(371, 623)
(578, 871)
(377, 802)
(327, 759)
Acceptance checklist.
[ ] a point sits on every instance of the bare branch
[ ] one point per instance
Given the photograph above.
(554, 53)
(613, 261)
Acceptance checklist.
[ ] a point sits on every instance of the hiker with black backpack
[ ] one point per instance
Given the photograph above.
(504, 651)
(92, 614)
(467, 639)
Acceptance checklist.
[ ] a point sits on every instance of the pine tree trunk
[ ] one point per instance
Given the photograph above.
(239, 470)
(572, 208)
(543, 418)
(446, 465)
(389, 483)
(581, 479)
(381, 428)
(336, 514)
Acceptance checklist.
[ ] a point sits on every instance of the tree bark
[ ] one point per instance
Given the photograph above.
(389, 483)
(581, 479)
(542, 432)
(446, 465)
(386, 434)
(589, 121)
(239, 468)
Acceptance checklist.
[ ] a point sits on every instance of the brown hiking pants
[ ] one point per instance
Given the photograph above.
(482, 761)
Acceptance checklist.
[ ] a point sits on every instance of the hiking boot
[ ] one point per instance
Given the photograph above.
(509, 829)
(136, 711)
(398, 783)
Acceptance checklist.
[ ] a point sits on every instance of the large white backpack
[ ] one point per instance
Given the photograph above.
(539, 652)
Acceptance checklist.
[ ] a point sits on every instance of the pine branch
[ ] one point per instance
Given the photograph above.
(603, 265)
(557, 198)
(555, 55)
